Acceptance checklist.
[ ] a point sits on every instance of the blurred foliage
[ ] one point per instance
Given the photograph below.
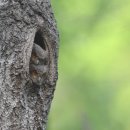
(93, 90)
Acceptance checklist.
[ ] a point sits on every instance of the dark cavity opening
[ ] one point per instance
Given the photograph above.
(39, 40)
(39, 128)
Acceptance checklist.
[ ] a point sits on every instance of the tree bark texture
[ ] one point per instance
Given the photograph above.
(28, 63)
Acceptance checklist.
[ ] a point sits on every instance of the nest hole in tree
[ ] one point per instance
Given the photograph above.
(39, 40)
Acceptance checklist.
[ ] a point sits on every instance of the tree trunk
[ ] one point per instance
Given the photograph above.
(28, 63)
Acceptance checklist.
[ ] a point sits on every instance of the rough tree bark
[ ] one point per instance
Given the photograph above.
(28, 63)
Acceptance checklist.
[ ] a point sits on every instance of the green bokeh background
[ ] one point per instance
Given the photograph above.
(93, 90)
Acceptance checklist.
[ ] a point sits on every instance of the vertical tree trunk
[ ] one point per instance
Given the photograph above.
(28, 63)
